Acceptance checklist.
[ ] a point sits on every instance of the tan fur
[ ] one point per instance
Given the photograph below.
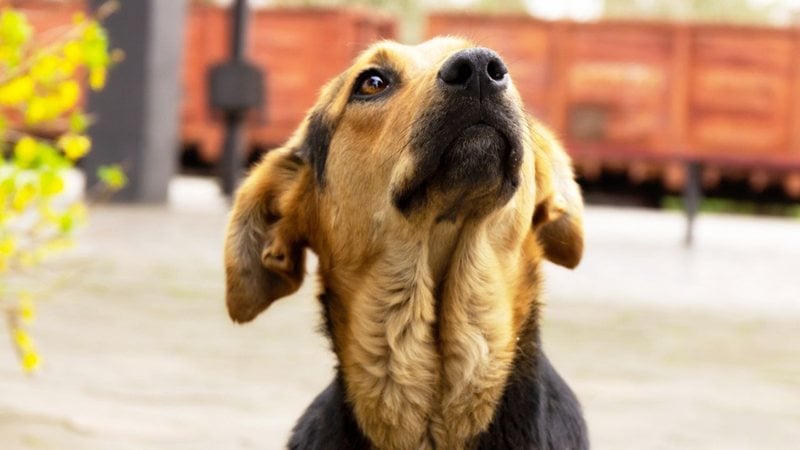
(427, 313)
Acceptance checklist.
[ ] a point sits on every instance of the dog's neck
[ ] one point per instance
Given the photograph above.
(432, 330)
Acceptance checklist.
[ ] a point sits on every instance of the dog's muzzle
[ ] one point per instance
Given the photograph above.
(467, 144)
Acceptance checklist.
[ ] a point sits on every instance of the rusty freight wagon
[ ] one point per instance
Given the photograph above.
(648, 97)
(637, 97)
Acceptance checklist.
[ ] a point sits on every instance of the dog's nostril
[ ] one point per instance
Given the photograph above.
(496, 69)
(457, 72)
(475, 72)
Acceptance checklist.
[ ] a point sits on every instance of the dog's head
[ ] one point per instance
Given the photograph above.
(405, 140)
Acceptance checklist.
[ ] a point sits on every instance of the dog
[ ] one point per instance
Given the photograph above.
(431, 199)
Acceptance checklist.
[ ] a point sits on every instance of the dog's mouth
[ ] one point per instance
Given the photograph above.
(466, 166)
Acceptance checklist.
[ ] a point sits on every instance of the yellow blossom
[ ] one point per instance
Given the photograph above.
(23, 197)
(68, 94)
(38, 110)
(16, 91)
(97, 78)
(23, 340)
(25, 151)
(31, 362)
(7, 246)
(45, 68)
(74, 145)
(73, 52)
(27, 309)
(51, 183)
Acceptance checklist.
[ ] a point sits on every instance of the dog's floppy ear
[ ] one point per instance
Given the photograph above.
(266, 237)
(558, 218)
(269, 227)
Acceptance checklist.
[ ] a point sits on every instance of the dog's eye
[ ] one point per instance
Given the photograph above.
(371, 83)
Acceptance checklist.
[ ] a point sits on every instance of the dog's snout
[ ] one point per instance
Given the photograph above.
(475, 72)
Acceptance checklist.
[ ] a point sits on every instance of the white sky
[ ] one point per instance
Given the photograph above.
(571, 9)
(789, 3)
(592, 9)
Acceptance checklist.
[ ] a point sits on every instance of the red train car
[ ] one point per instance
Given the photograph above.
(634, 96)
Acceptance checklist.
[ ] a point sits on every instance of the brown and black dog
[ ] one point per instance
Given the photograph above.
(430, 199)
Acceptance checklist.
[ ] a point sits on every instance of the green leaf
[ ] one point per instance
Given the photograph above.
(51, 183)
(14, 28)
(94, 43)
(51, 158)
(24, 196)
(66, 223)
(7, 187)
(112, 176)
(78, 122)
(14, 34)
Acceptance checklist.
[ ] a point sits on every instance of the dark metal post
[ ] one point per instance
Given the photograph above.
(692, 196)
(233, 150)
(232, 154)
(239, 16)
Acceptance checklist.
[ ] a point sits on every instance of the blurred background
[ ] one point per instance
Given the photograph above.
(680, 329)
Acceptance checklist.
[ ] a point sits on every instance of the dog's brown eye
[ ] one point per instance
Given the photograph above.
(371, 84)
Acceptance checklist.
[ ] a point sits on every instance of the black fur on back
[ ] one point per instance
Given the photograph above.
(328, 423)
(538, 410)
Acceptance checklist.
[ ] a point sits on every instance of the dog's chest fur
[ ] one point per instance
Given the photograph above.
(432, 334)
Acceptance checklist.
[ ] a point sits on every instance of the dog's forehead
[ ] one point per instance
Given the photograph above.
(421, 56)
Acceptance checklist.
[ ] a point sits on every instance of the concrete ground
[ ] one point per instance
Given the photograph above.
(667, 348)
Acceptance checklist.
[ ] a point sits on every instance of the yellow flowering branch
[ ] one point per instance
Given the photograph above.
(42, 136)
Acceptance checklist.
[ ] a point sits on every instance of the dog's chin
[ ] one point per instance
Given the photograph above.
(476, 174)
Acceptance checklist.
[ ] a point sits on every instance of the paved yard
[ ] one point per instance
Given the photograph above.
(667, 348)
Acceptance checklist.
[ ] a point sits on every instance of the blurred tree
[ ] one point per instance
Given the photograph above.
(42, 136)
(712, 11)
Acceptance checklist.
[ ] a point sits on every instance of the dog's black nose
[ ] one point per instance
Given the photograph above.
(477, 72)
